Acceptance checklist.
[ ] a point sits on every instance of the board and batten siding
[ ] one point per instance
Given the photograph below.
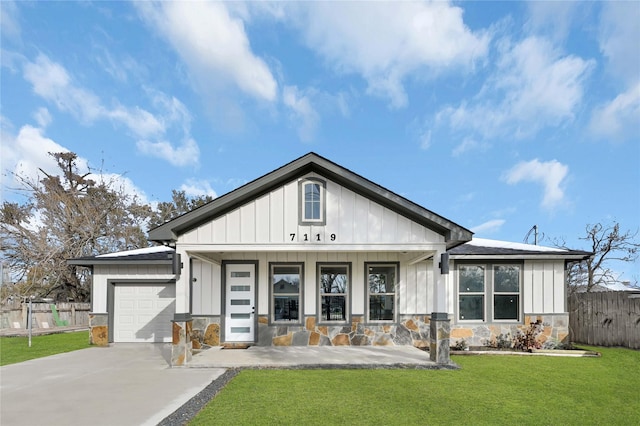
(273, 217)
(544, 287)
(126, 273)
(206, 292)
(414, 287)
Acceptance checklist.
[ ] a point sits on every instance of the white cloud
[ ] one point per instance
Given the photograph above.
(52, 82)
(213, 44)
(618, 119)
(140, 122)
(387, 42)
(197, 188)
(425, 140)
(10, 27)
(184, 154)
(27, 153)
(300, 105)
(618, 37)
(550, 174)
(534, 86)
(551, 17)
(467, 144)
(488, 227)
(42, 117)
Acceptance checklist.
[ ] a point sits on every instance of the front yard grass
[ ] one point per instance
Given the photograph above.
(16, 349)
(492, 390)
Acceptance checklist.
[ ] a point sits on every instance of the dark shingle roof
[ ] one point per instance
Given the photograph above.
(149, 255)
(483, 247)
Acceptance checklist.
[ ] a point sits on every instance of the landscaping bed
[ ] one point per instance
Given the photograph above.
(485, 350)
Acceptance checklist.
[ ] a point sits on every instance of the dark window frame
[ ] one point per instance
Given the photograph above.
(272, 294)
(368, 294)
(347, 294)
(489, 293)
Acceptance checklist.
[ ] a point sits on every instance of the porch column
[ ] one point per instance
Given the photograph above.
(440, 323)
(183, 275)
(181, 344)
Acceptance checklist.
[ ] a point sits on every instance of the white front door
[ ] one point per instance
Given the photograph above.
(240, 302)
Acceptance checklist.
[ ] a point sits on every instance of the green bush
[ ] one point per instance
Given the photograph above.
(502, 341)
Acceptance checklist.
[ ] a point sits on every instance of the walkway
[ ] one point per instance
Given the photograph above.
(316, 357)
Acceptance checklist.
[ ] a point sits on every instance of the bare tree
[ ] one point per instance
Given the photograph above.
(66, 215)
(179, 205)
(608, 243)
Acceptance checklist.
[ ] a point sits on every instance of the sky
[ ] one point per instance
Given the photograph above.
(496, 115)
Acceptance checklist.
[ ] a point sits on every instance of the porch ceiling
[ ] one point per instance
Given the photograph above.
(216, 257)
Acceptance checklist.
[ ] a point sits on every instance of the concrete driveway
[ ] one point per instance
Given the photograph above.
(124, 384)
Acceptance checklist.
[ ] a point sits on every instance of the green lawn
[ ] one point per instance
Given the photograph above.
(16, 349)
(491, 390)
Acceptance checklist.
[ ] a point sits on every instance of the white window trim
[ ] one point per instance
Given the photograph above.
(302, 204)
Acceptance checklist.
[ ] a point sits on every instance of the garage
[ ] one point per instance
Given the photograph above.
(143, 312)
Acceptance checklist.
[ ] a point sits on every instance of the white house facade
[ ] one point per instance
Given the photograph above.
(314, 254)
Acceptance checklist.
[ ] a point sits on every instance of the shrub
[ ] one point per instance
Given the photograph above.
(528, 339)
(502, 341)
(460, 345)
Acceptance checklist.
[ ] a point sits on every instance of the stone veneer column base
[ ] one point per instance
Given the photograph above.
(439, 340)
(99, 329)
(181, 345)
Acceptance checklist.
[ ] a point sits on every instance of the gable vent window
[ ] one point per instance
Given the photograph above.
(312, 206)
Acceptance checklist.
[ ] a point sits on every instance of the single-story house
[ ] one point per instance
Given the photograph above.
(314, 254)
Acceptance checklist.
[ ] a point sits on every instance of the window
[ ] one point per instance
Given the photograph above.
(381, 291)
(496, 293)
(471, 292)
(506, 292)
(333, 283)
(285, 292)
(312, 208)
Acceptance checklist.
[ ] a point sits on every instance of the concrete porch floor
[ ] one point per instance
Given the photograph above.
(301, 357)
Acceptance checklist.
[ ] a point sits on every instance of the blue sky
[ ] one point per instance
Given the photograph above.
(496, 115)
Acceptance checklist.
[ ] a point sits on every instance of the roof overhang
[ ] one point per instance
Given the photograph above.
(481, 249)
(144, 256)
(524, 256)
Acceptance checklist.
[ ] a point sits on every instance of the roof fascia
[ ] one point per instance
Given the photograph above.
(118, 261)
(527, 256)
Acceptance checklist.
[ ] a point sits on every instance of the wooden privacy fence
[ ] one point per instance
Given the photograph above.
(14, 314)
(605, 318)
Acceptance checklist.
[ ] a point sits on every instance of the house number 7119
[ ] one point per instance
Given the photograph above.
(305, 237)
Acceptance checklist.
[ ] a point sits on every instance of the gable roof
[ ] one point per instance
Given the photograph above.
(311, 162)
(480, 247)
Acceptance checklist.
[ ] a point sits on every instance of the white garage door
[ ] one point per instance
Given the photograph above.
(143, 312)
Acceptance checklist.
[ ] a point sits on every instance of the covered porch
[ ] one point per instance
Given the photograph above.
(212, 311)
